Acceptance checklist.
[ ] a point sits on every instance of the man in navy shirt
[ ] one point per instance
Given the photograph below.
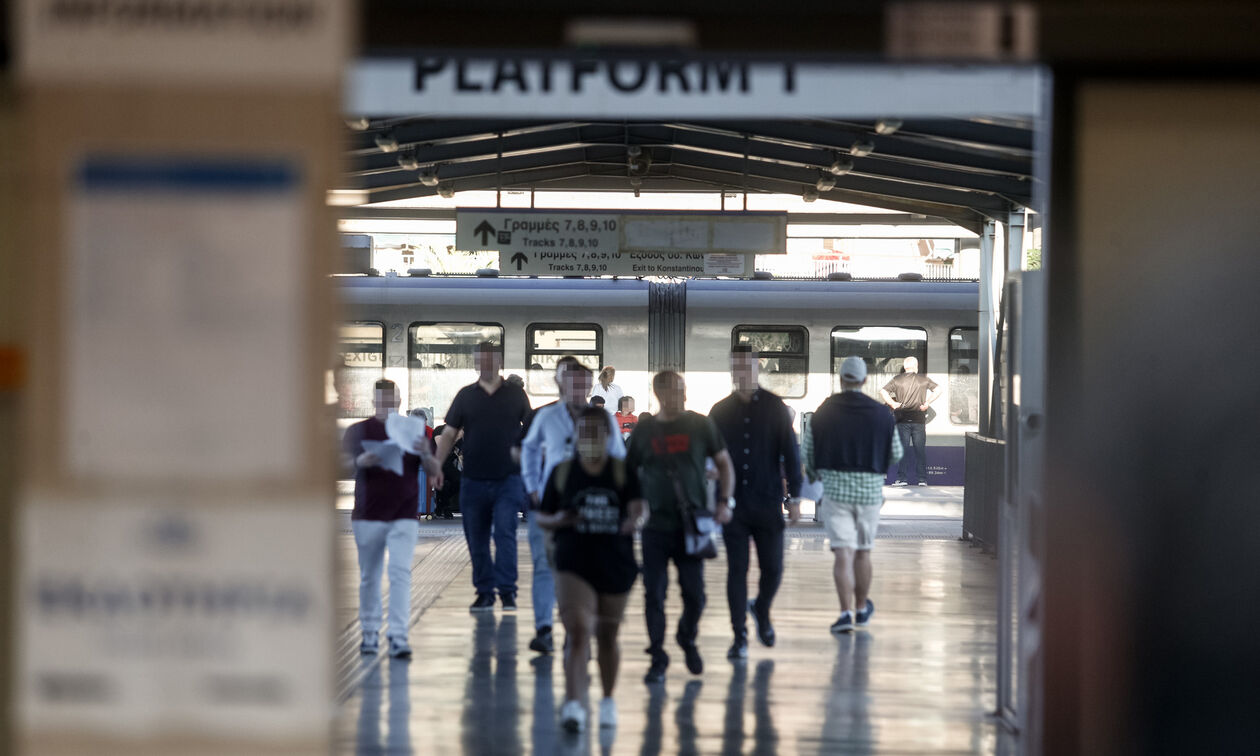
(757, 428)
(384, 518)
(489, 415)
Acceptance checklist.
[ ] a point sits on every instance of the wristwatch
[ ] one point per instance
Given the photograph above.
(730, 503)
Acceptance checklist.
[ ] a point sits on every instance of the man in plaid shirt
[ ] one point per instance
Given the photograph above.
(851, 443)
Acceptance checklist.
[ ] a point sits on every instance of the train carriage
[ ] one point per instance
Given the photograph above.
(420, 332)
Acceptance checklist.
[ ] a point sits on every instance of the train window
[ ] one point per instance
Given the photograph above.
(783, 353)
(440, 360)
(884, 348)
(361, 352)
(546, 343)
(964, 376)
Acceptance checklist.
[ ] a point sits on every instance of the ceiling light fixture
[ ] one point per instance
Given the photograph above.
(446, 191)
(840, 166)
(861, 149)
(407, 161)
(358, 124)
(810, 194)
(428, 176)
(386, 141)
(888, 126)
(825, 183)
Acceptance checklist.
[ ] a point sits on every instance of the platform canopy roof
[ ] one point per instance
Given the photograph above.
(960, 170)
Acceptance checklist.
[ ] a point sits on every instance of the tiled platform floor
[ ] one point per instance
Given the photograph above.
(920, 680)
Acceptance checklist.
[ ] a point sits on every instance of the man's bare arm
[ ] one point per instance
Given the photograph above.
(445, 442)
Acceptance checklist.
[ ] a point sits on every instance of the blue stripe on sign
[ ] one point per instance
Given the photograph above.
(187, 174)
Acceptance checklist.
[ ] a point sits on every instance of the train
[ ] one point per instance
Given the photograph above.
(420, 331)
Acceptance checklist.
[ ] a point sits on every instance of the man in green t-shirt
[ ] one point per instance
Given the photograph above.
(669, 451)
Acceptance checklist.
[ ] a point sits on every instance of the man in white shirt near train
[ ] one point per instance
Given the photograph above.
(909, 395)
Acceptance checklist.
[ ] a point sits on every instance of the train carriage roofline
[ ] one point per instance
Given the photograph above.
(834, 295)
(524, 292)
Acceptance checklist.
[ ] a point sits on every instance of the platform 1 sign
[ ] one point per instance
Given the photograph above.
(609, 85)
(594, 263)
(587, 234)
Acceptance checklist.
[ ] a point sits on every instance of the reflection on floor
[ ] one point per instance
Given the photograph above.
(921, 679)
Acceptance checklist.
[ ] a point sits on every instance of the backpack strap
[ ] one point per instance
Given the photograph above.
(619, 473)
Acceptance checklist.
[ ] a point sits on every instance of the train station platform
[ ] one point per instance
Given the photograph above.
(920, 679)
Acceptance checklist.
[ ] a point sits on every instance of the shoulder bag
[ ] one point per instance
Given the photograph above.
(699, 526)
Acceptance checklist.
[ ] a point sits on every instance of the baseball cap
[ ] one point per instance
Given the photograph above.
(853, 369)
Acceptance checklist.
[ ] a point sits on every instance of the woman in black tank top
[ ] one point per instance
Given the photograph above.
(593, 506)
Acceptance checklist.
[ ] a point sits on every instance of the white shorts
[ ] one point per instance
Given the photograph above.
(850, 526)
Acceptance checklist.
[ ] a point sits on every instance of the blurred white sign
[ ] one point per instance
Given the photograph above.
(184, 316)
(237, 42)
(137, 617)
(966, 29)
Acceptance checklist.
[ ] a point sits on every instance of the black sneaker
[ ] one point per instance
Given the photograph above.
(399, 648)
(543, 642)
(369, 646)
(844, 624)
(484, 603)
(508, 601)
(656, 672)
(863, 616)
(695, 665)
(765, 630)
(738, 650)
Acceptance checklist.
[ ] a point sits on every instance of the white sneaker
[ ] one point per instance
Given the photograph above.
(573, 716)
(607, 713)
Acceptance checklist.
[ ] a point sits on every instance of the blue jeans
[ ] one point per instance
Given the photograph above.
(913, 444)
(492, 507)
(373, 538)
(544, 593)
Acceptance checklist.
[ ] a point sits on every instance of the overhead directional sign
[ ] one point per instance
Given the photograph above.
(530, 232)
(595, 263)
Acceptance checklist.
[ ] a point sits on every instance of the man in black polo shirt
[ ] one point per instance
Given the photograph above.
(757, 428)
(489, 415)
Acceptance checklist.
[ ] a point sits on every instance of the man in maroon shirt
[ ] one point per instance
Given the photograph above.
(384, 518)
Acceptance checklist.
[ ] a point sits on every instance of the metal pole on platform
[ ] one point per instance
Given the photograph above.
(988, 324)
(1015, 240)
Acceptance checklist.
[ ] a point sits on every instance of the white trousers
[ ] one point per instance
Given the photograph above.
(373, 538)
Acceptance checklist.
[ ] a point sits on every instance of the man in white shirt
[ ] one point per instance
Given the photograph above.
(551, 439)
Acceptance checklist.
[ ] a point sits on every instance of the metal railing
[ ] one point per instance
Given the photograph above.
(985, 486)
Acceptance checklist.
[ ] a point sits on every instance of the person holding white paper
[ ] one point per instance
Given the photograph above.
(384, 516)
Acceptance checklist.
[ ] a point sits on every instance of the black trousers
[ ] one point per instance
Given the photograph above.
(762, 523)
(659, 547)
